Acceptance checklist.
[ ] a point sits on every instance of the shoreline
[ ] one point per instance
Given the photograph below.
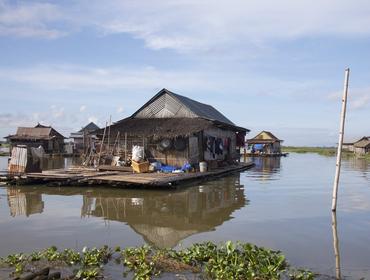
(324, 151)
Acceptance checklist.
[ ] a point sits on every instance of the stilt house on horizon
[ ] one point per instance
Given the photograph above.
(84, 138)
(265, 142)
(33, 137)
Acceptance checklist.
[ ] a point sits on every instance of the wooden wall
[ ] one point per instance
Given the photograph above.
(170, 157)
(193, 154)
(223, 134)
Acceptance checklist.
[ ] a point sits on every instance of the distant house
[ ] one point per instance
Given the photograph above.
(84, 138)
(45, 136)
(175, 130)
(348, 146)
(362, 146)
(264, 142)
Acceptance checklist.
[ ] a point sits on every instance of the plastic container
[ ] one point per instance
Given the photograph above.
(203, 166)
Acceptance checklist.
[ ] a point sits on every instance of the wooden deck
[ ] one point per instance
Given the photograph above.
(123, 178)
(267, 155)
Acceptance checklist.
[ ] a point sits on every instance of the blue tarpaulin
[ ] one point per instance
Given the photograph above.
(258, 147)
(168, 168)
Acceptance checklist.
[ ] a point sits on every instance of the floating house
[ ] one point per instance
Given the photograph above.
(362, 146)
(264, 143)
(348, 146)
(33, 137)
(174, 130)
(84, 138)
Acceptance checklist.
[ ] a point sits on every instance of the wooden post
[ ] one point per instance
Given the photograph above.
(110, 123)
(125, 146)
(83, 142)
(340, 143)
(143, 147)
(201, 146)
(245, 153)
(102, 143)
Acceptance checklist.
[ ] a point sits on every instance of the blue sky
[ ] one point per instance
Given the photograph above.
(267, 65)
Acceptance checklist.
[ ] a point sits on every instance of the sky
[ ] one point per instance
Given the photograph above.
(266, 64)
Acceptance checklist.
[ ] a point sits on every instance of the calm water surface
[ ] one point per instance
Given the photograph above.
(46, 163)
(281, 203)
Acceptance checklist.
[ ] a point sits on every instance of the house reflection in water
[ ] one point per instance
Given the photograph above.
(21, 203)
(164, 218)
(266, 168)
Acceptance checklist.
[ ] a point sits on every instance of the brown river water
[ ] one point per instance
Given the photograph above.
(282, 203)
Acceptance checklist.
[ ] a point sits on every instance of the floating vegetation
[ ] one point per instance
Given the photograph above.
(325, 151)
(209, 261)
(85, 265)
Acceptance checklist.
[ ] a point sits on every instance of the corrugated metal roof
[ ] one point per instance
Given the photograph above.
(90, 127)
(38, 132)
(363, 143)
(256, 138)
(34, 131)
(196, 108)
(202, 110)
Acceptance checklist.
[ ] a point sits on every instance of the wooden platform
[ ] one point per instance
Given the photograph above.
(89, 176)
(266, 155)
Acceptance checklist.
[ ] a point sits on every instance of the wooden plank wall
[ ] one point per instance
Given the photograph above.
(221, 133)
(171, 157)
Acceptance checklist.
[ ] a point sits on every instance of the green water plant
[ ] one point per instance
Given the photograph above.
(225, 261)
(141, 261)
(87, 274)
(89, 262)
(17, 261)
(228, 260)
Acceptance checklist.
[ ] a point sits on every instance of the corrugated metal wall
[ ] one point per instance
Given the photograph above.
(18, 161)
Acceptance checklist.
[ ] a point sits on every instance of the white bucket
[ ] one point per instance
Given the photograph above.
(203, 166)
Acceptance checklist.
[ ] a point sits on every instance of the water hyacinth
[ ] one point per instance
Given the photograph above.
(208, 260)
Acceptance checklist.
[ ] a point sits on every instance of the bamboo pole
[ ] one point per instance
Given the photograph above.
(336, 245)
(340, 143)
(115, 143)
(102, 142)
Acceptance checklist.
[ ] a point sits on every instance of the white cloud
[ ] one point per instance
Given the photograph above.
(119, 109)
(358, 98)
(190, 25)
(362, 101)
(82, 108)
(11, 120)
(208, 25)
(57, 112)
(29, 19)
(77, 78)
(93, 119)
